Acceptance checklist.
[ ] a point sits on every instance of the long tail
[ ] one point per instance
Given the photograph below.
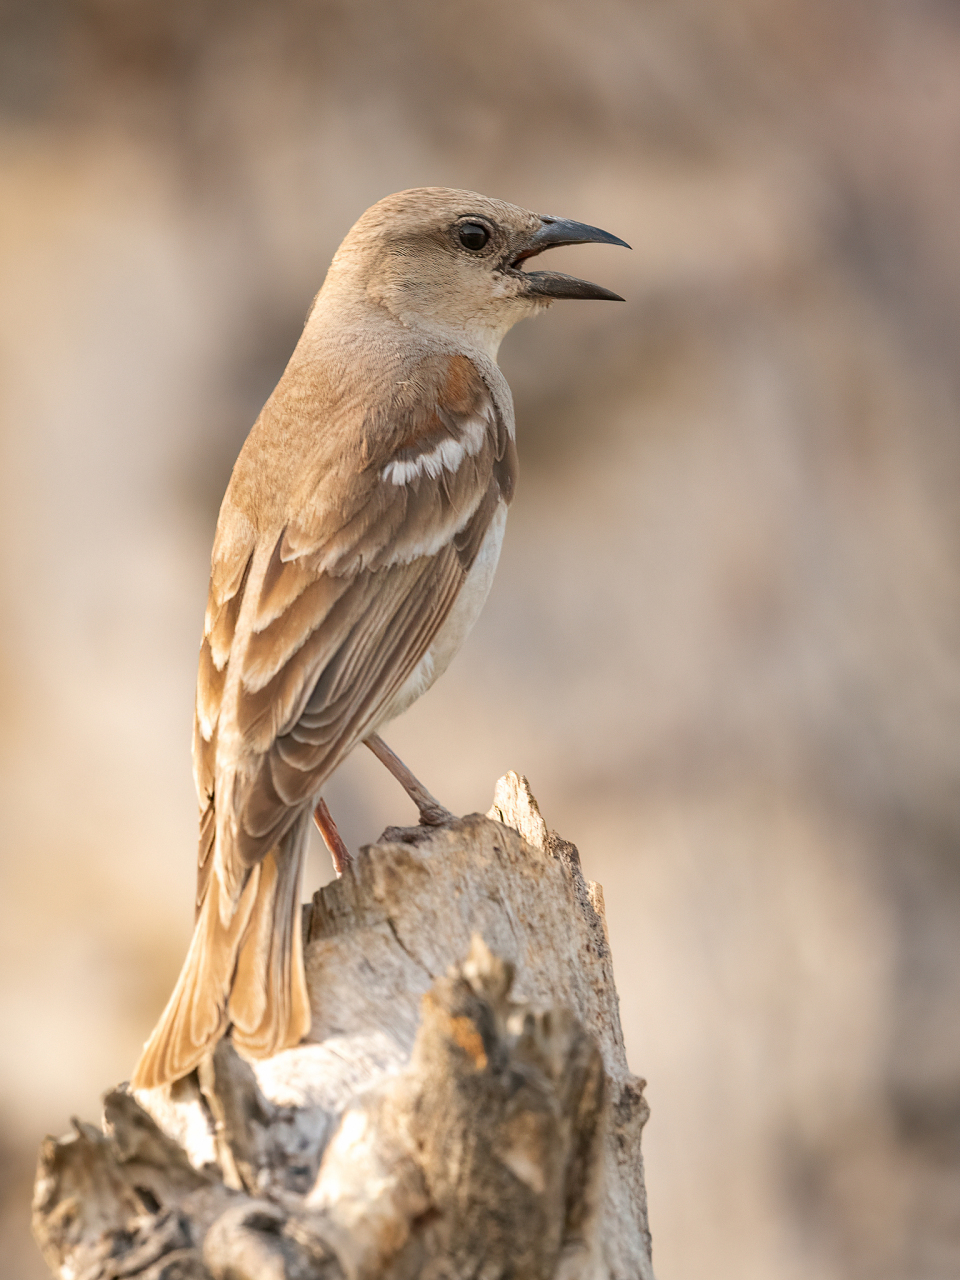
(248, 973)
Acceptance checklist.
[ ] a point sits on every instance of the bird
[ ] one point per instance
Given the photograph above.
(355, 547)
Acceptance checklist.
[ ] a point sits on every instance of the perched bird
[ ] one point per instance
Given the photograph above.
(355, 547)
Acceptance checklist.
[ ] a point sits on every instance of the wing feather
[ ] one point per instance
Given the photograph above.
(302, 658)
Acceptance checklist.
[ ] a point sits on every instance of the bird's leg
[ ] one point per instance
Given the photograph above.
(341, 855)
(432, 812)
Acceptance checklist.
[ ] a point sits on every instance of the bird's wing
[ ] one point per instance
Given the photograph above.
(356, 587)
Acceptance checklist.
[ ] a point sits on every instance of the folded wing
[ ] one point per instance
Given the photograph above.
(307, 640)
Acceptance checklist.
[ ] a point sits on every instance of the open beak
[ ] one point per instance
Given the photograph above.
(552, 233)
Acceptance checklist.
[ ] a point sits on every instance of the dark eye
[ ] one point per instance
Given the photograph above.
(473, 235)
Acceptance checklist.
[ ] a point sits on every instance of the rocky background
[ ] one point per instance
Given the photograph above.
(723, 642)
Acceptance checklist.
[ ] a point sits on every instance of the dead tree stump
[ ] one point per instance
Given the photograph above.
(462, 1109)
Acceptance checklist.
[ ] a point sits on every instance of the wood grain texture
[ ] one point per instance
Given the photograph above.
(463, 1107)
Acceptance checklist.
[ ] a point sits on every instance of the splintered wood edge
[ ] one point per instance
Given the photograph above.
(515, 805)
(595, 894)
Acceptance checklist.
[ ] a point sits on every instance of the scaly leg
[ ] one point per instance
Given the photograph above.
(432, 812)
(341, 855)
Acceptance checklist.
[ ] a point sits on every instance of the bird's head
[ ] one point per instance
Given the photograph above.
(455, 260)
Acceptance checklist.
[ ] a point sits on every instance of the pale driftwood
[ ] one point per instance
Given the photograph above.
(463, 1109)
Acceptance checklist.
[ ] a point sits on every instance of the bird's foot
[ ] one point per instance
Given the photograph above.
(434, 815)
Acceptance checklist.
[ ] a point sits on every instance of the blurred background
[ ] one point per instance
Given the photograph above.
(723, 642)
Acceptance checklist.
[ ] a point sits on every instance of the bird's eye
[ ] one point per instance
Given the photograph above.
(473, 235)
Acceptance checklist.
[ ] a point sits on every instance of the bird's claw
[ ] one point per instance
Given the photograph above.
(435, 815)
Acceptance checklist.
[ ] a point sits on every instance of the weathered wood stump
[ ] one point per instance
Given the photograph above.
(463, 1107)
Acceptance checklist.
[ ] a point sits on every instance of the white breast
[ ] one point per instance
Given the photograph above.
(460, 620)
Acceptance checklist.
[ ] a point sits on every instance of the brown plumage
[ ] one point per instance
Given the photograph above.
(356, 542)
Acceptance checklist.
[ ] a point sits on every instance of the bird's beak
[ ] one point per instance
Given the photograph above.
(552, 233)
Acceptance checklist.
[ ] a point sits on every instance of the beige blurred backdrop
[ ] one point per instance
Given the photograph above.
(723, 642)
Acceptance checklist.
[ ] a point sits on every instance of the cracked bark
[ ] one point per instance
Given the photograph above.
(462, 1108)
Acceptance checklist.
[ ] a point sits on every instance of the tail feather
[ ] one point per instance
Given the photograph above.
(269, 1005)
(249, 971)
